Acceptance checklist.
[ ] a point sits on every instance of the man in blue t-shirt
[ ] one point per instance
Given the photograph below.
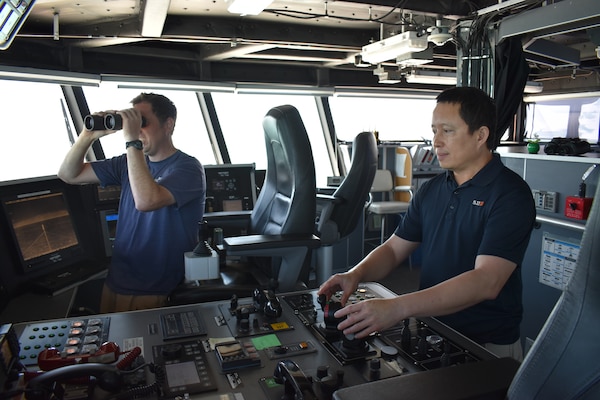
(162, 200)
(473, 224)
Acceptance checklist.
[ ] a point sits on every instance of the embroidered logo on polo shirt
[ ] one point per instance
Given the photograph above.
(478, 203)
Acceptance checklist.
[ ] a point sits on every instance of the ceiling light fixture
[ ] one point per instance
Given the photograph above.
(13, 15)
(154, 15)
(431, 77)
(390, 77)
(394, 46)
(439, 35)
(247, 7)
(145, 83)
(387, 77)
(251, 88)
(415, 59)
(49, 76)
(385, 92)
(533, 87)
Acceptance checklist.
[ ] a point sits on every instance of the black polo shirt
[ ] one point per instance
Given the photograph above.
(491, 214)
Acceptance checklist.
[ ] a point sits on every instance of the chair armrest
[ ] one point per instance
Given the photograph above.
(262, 242)
(325, 197)
(324, 226)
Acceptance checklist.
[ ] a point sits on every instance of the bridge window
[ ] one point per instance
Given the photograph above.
(241, 116)
(35, 132)
(190, 135)
(395, 119)
(573, 117)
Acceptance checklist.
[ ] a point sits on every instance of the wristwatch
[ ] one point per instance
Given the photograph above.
(135, 143)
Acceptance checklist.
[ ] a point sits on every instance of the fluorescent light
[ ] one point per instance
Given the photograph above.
(533, 87)
(393, 47)
(431, 77)
(154, 15)
(388, 77)
(13, 15)
(247, 7)
(167, 84)
(48, 76)
(249, 88)
(414, 59)
(384, 92)
(560, 96)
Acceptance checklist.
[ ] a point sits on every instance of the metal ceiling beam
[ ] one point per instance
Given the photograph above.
(154, 14)
(557, 18)
(443, 7)
(236, 30)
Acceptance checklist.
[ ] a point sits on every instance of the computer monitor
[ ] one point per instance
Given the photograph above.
(230, 187)
(42, 227)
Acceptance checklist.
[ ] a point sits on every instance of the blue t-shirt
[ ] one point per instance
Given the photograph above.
(491, 214)
(148, 251)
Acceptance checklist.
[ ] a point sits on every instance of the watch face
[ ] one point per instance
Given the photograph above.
(135, 143)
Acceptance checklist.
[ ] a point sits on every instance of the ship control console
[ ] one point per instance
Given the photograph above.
(268, 346)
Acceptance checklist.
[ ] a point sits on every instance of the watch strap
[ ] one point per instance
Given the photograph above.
(134, 143)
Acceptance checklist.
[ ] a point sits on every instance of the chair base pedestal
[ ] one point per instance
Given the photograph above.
(324, 264)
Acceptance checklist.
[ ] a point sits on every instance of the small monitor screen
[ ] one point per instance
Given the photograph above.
(42, 227)
(108, 223)
(230, 187)
(108, 194)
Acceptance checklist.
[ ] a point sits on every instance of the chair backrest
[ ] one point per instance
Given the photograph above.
(287, 201)
(383, 181)
(404, 174)
(563, 361)
(355, 187)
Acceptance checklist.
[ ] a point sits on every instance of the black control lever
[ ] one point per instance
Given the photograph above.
(297, 385)
(202, 249)
(267, 303)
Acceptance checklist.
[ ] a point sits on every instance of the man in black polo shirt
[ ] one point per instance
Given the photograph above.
(473, 224)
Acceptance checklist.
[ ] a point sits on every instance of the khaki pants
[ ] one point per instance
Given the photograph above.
(514, 350)
(115, 302)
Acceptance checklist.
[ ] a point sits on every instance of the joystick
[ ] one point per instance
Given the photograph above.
(326, 383)
(349, 346)
(267, 303)
(374, 369)
(405, 335)
(353, 346)
(202, 249)
(233, 303)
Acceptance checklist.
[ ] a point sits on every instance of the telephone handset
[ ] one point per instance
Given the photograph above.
(51, 358)
(108, 375)
(296, 384)
(43, 386)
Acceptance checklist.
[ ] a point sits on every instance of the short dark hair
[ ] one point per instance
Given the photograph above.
(477, 109)
(162, 107)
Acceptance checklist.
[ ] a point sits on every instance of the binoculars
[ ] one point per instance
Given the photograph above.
(112, 122)
(567, 146)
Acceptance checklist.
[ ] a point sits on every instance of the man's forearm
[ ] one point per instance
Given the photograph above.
(147, 194)
(73, 163)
